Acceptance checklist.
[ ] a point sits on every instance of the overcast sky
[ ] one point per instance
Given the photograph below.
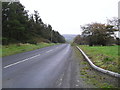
(66, 16)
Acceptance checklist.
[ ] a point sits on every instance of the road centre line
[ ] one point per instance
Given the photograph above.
(25, 59)
(22, 61)
(49, 51)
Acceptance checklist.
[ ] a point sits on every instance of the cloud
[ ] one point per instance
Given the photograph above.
(66, 16)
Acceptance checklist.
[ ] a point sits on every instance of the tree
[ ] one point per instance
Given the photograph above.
(14, 22)
(19, 27)
(97, 33)
(114, 22)
(80, 40)
(77, 39)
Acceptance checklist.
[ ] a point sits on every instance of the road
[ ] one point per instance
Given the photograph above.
(57, 66)
(41, 68)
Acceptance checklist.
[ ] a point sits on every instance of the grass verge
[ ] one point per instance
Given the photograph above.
(19, 48)
(105, 57)
(93, 77)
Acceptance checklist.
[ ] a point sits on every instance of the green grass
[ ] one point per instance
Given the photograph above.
(92, 77)
(19, 48)
(105, 57)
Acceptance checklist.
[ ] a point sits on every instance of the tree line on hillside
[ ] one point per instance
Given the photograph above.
(19, 27)
(99, 34)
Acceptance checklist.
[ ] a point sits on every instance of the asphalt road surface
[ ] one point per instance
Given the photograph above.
(56, 66)
(41, 68)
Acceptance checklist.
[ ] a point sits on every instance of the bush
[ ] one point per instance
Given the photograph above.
(32, 42)
(4, 41)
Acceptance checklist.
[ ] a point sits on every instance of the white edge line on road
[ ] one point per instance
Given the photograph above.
(22, 61)
(76, 85)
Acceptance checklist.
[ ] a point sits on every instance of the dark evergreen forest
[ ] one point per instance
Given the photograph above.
(20, 27)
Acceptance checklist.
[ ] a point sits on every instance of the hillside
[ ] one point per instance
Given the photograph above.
(69, 37)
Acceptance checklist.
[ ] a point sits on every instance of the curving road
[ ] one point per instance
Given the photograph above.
(41, 68)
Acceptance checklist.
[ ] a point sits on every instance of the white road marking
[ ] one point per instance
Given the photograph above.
(22, 61)
(78, 81)
(61, 79)
(76, 85)
(25, 59)
(59, 84)
(49, 51)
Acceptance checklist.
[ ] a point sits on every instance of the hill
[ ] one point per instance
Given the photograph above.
(69, 37)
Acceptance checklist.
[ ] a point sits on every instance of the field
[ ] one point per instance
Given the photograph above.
(105, 57)
(18, 48)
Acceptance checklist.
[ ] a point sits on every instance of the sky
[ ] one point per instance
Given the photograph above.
(66, 16)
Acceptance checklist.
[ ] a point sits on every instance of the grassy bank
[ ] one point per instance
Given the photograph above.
(105, 57)
(19, 48)
(92, 77)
